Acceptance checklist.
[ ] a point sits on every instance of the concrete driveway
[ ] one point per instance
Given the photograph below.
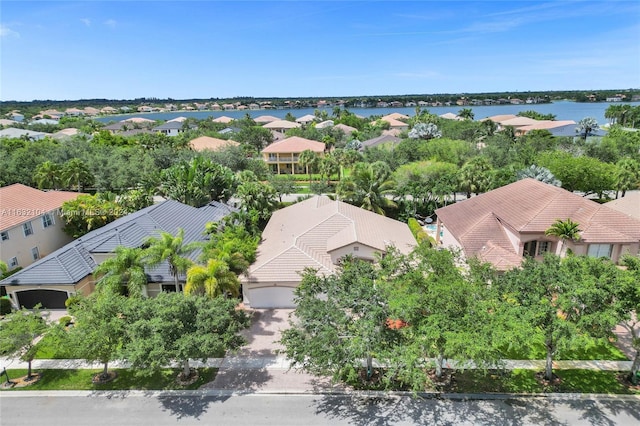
(258, 367)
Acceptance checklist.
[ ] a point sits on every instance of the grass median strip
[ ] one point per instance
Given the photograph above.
(57, 379)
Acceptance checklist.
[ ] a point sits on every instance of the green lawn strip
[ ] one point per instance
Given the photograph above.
(524, 381)
(598, 349)
(52, 348)
(56, 379)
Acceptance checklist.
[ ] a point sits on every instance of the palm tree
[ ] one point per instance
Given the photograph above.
(466, 113)
(586, 127)
(474, 176)
(309, 160)
(368, 187)
(538, 173)
(48, 175)
(125, 269)
(328, 166)
(627, 175)
(75, 172)
(564, 230)
(212, 280)
(173, 250)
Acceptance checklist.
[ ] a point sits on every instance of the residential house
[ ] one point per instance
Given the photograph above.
(283, 156)
(5, 122)
(68, 270)
(395, 124)
(347, 130)
(629, 204)
(170, 128)
(281, 125)
(306, 119)
(264, 119)
(381, 140)
(12, 133)
(316, 233)
(16, 116)
(207, 143)
(451, 116)
(30, 223)
(324, 124)
(506, 224)
(223, 119)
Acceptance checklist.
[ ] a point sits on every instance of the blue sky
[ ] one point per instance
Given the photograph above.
(203, 49)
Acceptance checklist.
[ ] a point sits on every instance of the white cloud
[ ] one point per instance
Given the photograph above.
(86, 21)
(8, 32)
(110, 23)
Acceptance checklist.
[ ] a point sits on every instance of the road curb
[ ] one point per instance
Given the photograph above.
(362, 394)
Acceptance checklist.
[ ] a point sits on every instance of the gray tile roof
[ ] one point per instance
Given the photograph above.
(73, 262)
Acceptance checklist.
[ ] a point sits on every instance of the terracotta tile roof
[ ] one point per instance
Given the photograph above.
(500, 118)
(294, 144)
(208, 143)
(281, 124)
(519, 122)
(395, 123)
(306, 118)
(137, 120)
(629, 204)
(223, 119)
(395, 116)
(20, 203)
(304, 235)
(530, 206)
(346, 129)
(265, 119)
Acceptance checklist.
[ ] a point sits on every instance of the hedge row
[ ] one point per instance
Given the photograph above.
(419, 233)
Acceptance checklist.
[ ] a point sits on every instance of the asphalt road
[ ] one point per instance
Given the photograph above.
(157, 408)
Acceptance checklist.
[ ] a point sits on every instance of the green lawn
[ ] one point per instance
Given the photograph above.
(127, 380)
(524, 381)
(596, 350)
(51, 348)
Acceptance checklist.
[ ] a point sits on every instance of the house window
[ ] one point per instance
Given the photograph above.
(4, 235)
(356, 248)
(600, 250)
(543, 247)
(47, 220)
(530, 248)
(13, 262)
(27, 229)
(35, 253)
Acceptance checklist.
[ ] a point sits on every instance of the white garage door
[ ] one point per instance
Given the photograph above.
(271, 297)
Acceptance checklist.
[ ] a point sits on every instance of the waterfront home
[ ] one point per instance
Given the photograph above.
(306, 119)
(170, 128)
(281, 125)
(316, 233)
(505, 225)
(283, 156)
(263, 119)
(223, 119)
(13, 133)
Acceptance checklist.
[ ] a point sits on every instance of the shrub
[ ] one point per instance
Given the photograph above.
(72, 301)
(419, 233)
(5, 306)
(65, 320)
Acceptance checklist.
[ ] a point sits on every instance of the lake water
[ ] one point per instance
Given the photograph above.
(563, 110)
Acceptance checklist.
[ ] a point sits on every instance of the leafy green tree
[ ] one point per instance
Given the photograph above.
(282, 185)
(48, 175)
(569, 300)
(173, 250)
(19, 332)
(178, 327)
(254, 136)
(88, 212)
(627, 306)
(212, 280)
(584, 174)
(99, 327)
(198, 182)
(368, 187)
(231, 243)
(4, 268)
(536, 115)
(341, 320)
(76, 173)
(123, 272)
(564, 230)
(445, 312)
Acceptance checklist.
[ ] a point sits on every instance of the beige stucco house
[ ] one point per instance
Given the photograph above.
(505, 225)
(316, 233)
(283, 156)
(30, 223)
